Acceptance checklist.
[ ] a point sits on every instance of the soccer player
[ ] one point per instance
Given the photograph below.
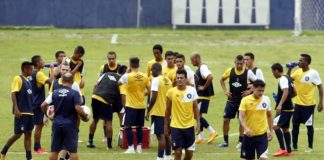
(249, 63)
(205, 90)
(284, 109)
(238, 81)
(170, 59)
(306, 80)
(77, 68)
(21, 96)
(255, 117)
(59, 56)
(180, 62)
(157, 52)
(181, 108)
(67, 106)
(105, 98)
(137, 84)
(156, 109)
(38, 81)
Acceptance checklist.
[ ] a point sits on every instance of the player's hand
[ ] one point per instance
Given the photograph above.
(147, 116)
(228, 94)
(278, 110)
(197, 128)
(80, 63)
(320, 107)
(166, 130)
(201, 88)
(17, 113)
(270, 136)
(249, 132)
(45, 121)
(246, 93)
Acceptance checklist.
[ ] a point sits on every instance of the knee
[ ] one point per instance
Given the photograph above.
(226, 121)
(178, 152)
(275, 127)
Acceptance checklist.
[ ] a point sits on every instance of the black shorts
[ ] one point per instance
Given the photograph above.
(23, 124)
(83, 100)
(106, 112)
(64, 138)
(134, 117)
(258, 144)
(38, 116)
(203, 105)
(183, 138)
(303, 114)
(231, 109)
(95, 104)
(118, 106)
(158, 122)
(283, 119)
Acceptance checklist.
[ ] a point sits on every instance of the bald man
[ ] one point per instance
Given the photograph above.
(205, 90)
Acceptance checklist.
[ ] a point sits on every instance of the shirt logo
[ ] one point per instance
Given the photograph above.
(112, 78)
(138, 77)
(63, 92)
(189, 96)
(29, 91)
(264, 105)
(306, 78)
(236, 84)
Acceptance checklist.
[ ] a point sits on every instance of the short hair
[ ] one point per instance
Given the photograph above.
(35, 59)
(158, 47)
(157, 66)
(57, 54)
(112, 53)
(181, 56)
(25, 64)
(239, 58)
(249, 54)
(278, 67)
(168, 53)
(67, 78)
(79, 49)
(182, 71)
(175, 53)
(307, 57)
(122, 69)
(134, 62)
(258, 83)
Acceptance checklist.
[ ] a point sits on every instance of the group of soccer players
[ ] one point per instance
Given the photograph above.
(177, 98)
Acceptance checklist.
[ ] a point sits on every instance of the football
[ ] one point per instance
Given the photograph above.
(87, 110)
(50, 112)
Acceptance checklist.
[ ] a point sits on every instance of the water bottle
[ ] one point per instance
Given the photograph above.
(275, 96)
(292, 64)
(49, 65)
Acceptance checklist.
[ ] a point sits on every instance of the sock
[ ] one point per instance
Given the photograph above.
(160, 153)
(129, 135)
(211, 129)
(295, 132)
(167, 151)
(226, 138)
(131, 147)
(62, 158)
(167, 157)
(4, 150)
(28, 155)
(240, 138)
(287, 141)
(201, 135)
(105, 132)
(37, 146)
(109, 140)
(139, 135)
(280, 138)
(91, 138)
(310, 134)
(67, 156)
(203, 122)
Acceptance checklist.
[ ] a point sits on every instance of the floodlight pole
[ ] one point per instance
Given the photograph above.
(139, 11)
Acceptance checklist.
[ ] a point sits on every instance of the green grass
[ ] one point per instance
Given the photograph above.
(218, 49)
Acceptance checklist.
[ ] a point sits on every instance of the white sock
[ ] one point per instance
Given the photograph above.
(158, 158)
(139, 147)
(201, 135)
(167, 157)
(131, 147)
(211, 129)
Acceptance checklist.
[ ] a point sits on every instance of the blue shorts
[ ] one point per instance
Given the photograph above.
(158, 124)
(64, 138)
(38, 116)
(203, 105)
(117, 106)
(183, 138)
(252, 144)
(231, 109)
(283, 120)
(23, 124)
(303, 114)
(134, 117)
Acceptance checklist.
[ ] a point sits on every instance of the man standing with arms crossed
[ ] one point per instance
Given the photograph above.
(306, 80)
(205, 90)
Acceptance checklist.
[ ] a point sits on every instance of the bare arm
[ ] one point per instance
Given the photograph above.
(15, 105)
(289, 71)
(44, 107)
(282, 100)
(152, 101)
(320, 93)
(270, 124)
(82, 114)
(248, 131)
(197, 116)
(167, 117)
(222, 83)
(51, 78)
(76, 67)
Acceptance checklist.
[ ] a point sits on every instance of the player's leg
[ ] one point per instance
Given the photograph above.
(29, 125)
(188, 155)
(308, 121)
(296, 120)
(95, 104)
(139, 129)
(109, 131)
(229, 113)
(168, 147)
(277, 124)
(130, 116)
(53, 156)
(248, 148)
(286, 133)
(39, 124)
(158, 131)
(70, 141)
(57, 142)
(189, 136)
(106, 114)
(74, 156)
(178, 141)
(261, 146)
